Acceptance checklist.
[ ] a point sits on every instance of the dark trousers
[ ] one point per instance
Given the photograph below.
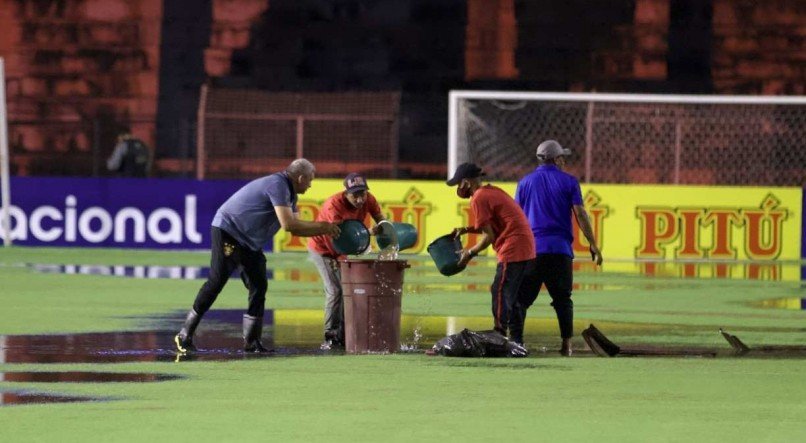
(556, 272)
(228, 255)
(507, 288)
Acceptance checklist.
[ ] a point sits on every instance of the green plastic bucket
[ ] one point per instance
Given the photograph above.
(406, 236)
(354, 238)
(445, 253)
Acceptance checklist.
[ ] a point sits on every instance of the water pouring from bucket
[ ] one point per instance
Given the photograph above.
(393, 238)
(387, 241)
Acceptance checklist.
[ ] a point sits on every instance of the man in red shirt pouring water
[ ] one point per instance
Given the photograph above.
(354, 203)
(502, 224)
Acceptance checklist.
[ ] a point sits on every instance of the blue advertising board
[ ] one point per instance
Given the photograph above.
(116, 212)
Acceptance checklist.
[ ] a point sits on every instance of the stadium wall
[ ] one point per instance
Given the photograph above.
(659, 222)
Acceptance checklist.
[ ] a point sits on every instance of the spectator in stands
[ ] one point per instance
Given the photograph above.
(354, 203)
(502, 224)
(549, 197)
(131, 157)
(240, 229)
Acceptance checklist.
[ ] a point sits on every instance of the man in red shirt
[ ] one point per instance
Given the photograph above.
(502, 223)
(354, 203)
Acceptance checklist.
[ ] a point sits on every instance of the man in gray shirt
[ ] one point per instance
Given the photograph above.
(241, 227)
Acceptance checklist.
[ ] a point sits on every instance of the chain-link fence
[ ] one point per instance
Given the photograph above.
(636, 139)
(243, 133)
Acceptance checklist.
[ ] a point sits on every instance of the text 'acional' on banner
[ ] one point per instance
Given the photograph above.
(113, 212)
(630, 222)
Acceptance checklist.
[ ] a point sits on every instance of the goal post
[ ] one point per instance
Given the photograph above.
(5, 179)
(634, 138)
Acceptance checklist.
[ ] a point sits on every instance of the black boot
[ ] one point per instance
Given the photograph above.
(252, 331)
(184, 339)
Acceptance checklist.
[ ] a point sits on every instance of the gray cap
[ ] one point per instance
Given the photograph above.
(550, 149)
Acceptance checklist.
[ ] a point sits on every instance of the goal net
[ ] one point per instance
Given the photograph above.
(633, 138)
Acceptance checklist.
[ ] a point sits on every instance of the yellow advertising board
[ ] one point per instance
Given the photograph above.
(659, 222)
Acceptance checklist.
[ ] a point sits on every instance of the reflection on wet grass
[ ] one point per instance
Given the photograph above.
(720, 270)
(289, 332)
(83, 377)
(25, 398)
(793, 303)
(422, 268)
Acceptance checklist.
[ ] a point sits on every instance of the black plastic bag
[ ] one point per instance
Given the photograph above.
(478, 344)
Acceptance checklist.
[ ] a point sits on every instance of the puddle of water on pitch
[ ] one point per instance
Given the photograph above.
(218, 337)
(287, 332)
(84, 377)
(118, 347)
(26, 398)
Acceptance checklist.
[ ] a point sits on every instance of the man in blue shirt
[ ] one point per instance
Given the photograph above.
(240, 229)
(549, 196)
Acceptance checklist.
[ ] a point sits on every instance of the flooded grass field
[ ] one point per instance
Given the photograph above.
(90, 330)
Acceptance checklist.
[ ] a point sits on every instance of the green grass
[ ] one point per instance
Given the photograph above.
(414, 397)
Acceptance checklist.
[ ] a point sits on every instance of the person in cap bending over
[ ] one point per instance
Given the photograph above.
(502, 224)
(549, 196)
(240, 229)
(354, 203)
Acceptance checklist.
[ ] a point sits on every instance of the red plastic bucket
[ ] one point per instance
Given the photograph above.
(372, 294)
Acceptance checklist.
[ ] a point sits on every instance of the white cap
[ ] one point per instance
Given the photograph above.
(550, 149)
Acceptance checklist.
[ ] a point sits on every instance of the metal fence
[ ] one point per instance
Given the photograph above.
(244, 133)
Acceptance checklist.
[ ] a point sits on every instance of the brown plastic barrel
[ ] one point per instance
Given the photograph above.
(372, 292)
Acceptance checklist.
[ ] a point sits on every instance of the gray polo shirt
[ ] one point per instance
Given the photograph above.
(249, 215)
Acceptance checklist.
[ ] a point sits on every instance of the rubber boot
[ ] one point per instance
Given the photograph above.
(566, 349)
(184, 339)
(252, 331)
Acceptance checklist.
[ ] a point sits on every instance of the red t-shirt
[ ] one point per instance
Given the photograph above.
(514, 240)
(335, 210)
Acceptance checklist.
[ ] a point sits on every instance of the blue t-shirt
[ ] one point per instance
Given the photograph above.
(249, 215)
(547, 196)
